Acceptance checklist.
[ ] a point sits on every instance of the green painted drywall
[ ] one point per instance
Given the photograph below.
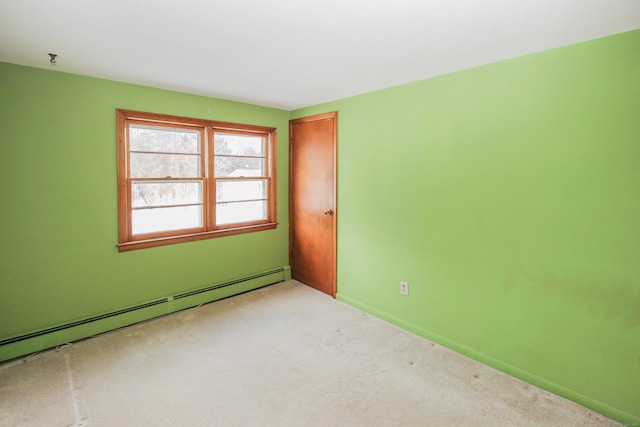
(58, 227)
(508, 196)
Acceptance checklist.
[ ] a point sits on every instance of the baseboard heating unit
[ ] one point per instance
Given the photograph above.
(41, 339)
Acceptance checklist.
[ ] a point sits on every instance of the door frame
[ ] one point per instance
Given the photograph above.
(334, 235)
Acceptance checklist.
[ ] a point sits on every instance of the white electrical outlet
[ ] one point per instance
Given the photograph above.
(404, 288)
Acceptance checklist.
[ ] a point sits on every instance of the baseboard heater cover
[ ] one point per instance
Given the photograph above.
(92, 319)
(229, 283)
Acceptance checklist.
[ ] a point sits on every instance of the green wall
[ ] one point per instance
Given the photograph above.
(508, 196)
(58, 227)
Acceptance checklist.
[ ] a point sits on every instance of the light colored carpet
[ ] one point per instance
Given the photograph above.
(284, 355)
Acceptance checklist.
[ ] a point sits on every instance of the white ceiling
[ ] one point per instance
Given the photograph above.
(293, 53)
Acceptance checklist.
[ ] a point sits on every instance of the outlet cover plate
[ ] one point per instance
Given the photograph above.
(404, 288)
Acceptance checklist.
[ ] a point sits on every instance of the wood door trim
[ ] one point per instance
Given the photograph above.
(325, 116)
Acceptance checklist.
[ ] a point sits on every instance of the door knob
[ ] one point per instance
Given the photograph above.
(328, 212)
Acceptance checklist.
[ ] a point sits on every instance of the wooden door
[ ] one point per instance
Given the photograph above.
(312, 201)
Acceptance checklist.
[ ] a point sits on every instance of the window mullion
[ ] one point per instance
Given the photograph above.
(211, 182)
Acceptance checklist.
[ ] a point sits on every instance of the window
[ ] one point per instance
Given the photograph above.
(182, 179)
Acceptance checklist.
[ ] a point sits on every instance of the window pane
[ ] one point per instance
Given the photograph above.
(165, 193)
(149, 138)
(229, 191)
(164, 166)
(230, 213)
(165, 219)
(238, 145)
(239, 166)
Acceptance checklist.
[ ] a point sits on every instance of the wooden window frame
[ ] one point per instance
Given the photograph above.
(207, 128)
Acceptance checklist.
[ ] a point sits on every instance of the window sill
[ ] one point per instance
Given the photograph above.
(163, 241)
